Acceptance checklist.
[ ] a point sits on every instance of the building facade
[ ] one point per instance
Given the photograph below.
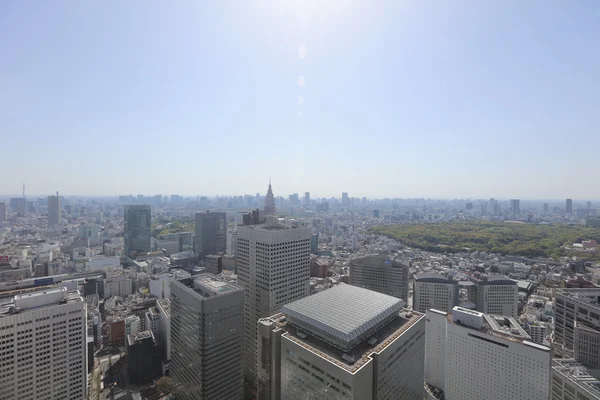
(3, 212)
(497, 295)
(434, 291)
(470, 355)
(273, 266)
(572, 305)
(381, 273)
(54, 210)
(206, 338)
(211, 233)
(44, 343)
(138, 230)
(571, 381)
(375, 351)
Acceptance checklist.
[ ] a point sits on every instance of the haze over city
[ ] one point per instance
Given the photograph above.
(384, 99)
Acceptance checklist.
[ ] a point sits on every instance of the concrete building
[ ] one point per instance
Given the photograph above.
(343, 343)
(44, 339)
(207, 338)
(434, 291)
(19, 205)
(138, 230)
(569, 206)
(117, 286)
(382, 273)
(3, 212)
(269, 201)
(497, 295)
(54, 210)
(273, 267)
(152, 323)
(143, 358)
(515, 206)
(586, 345)
(211, 233)
(471, 355)
(572, 305)
(571, 381)
(164, 327)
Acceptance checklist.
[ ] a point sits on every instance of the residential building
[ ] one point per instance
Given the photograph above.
(571, 381)
(211, 233)
(273, 267)
(383, 273)
(471, 355)
(570, 305)
(54, 210)
(44, 341)
(138, 230)
(343, 343)
(434, 291)
(206, 338)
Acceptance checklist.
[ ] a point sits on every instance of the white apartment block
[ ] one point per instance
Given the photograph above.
(273, 265)
(343, 343)
(434, 291)
(498, 295)
(571, 381)
(470, 355)
(43, 346)
(381, 273)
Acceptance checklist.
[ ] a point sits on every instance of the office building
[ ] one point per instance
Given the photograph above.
(343, 343)
(117, 286)
(571, 381)
(164, 327)
(515, 206)
(19, 205)
(306, 199)
(383, 273)
(3, 212)
(206, 338)
(143, 358)
(569, 206)
(570, 305)
(546, 207)
(471, 355)
(273, 266)
(211, 233)
(213, 264)
(497, 295)
(54, 210)
(434, 291)
(586, 345)
(44, 341)
(345, 199)
(138, 230)
(270, 201)
(588, 205)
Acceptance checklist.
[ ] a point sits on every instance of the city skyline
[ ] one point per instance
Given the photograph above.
(398, 99)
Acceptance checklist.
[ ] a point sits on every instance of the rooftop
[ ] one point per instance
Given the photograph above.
(39, 299)
(343, 315)
(576, 372)
(588, 296)
(437, 278)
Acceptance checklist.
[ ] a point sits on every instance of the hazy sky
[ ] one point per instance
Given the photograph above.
(397, 98)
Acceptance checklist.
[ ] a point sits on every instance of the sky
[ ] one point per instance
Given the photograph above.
(438, 99)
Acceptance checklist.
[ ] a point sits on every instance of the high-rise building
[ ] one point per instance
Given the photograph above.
(19, 205)
(164, 328)
(343, 343)
(143, 358)
(498, 295)
(345, 199)
(270, 201)
(569, 206)
(211, 233)
(546, 207)
(434, 291)
(306, 199)
(571, 380)
(589, 205)
(515, 206)
(44, 339)
(383, 273)
(138, 230)
(3, 212)
(206, 338)
(571, 305)
(273, 266)
(54, 210)
(471, 355)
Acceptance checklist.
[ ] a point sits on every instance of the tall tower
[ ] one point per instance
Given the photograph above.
(273, 264)
(211, 233)
(54, 210)
(138, 230)
(269, 201)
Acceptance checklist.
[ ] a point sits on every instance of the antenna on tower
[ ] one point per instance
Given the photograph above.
(23, 189)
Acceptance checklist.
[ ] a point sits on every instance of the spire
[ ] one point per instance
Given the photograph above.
(269, 201)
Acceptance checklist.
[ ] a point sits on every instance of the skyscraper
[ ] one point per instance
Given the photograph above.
(546, 207)
(138, 230)
(343, 343)
(206, 338)
(345, 199)
(515, 207)
(273, 265)
(44, 353)
(54, 210)
(382, 273)
(3, 212)
(434, 291)
(19, 204)
(211, 233)
(569, 206)
(471, 355)
(269, 201)
(306, 199)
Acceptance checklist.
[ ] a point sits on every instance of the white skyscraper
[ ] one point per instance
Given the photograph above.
(44, 354)
(471, 355)
(434, 291)
(343, 343)
(273, 262)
